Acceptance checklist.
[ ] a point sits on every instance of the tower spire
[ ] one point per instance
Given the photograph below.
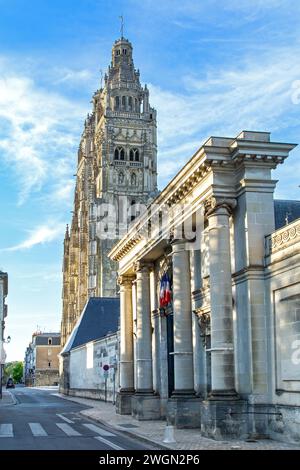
(122, 26)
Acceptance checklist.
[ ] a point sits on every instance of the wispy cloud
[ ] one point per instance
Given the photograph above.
(256, 94)
(39, 236)
(40, 131)
(73, 77)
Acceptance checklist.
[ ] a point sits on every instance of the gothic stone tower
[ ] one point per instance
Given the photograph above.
(126, 163)
(117, 160)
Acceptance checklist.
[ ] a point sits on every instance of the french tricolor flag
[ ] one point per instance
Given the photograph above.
(165, 291)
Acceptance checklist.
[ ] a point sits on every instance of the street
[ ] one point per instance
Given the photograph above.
(41, 420)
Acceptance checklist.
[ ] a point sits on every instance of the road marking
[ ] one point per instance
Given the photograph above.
(6, 430)
(65, 419)
(67, 429)
(98, 430)
(110, 444)
(37, 430)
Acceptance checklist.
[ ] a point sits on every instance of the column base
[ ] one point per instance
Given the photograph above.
(223, 395)
(183, 410)
(123, 402)
(224, 419)
(145, 406)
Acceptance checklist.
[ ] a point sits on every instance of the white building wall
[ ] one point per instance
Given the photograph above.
(87, 376)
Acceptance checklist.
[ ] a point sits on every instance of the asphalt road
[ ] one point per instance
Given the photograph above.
(42, 421)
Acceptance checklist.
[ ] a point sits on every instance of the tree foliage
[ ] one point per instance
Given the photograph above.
(14, 370)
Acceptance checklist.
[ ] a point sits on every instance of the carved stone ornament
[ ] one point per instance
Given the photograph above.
(125, 280)
(213, 203)
(204, 324)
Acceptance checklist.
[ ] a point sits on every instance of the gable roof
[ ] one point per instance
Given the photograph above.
(284, 208)
(100, 317)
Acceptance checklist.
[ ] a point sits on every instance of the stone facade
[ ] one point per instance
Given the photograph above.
(220, 356)
(3, 314)
(41, 363)
(117, 161)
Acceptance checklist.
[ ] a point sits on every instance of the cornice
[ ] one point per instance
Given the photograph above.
(208, 159)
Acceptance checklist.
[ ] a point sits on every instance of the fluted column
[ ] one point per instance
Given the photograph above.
(182, 312)
(126, 334)
(144, 330)
(222, 354)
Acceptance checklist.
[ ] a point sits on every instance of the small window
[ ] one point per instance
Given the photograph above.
(49, 365)
(130, 103)
(122, 154)
(131, 155)
(117, 102)
(133, 179)
(123, 102)
(125, 51)
(50, 341)
(121, 178)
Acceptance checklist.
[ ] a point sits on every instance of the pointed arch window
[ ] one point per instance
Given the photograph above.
(134, 155)
(119, 153)
(133, 179)
(121, 178)
(136, 104)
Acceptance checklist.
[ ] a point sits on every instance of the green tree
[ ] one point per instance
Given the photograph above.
(14, 370)
(17, 372)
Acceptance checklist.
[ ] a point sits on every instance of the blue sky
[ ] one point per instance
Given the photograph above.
(213, 68)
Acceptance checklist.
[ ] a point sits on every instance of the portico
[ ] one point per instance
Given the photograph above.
(186, 357)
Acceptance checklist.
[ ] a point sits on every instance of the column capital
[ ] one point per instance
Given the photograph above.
(178, 245)
(125, 280)
(216, 203)
(143, 266)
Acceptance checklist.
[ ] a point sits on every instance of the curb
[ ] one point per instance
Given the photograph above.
(13, 399)
(115, 428)
(131, 434)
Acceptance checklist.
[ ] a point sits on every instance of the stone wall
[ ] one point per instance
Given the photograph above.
(283, 294)
(87, 377)
(46, 377)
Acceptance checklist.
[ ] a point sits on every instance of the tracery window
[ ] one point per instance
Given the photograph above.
(119, 153)
(134, 155)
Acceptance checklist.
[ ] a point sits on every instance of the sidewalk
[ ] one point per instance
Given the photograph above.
(7, 399)
(153, 431)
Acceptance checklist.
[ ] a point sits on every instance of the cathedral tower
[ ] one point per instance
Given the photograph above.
(117, 160)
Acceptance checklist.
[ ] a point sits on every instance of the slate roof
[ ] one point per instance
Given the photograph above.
(283, 209)
(42, 340)
(99, 318)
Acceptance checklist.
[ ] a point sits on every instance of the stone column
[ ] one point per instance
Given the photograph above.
(144, 404)
(183, 407)
(182, 311)
(144, 330)
(155, 327)
(222, 355)
(126, 346)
